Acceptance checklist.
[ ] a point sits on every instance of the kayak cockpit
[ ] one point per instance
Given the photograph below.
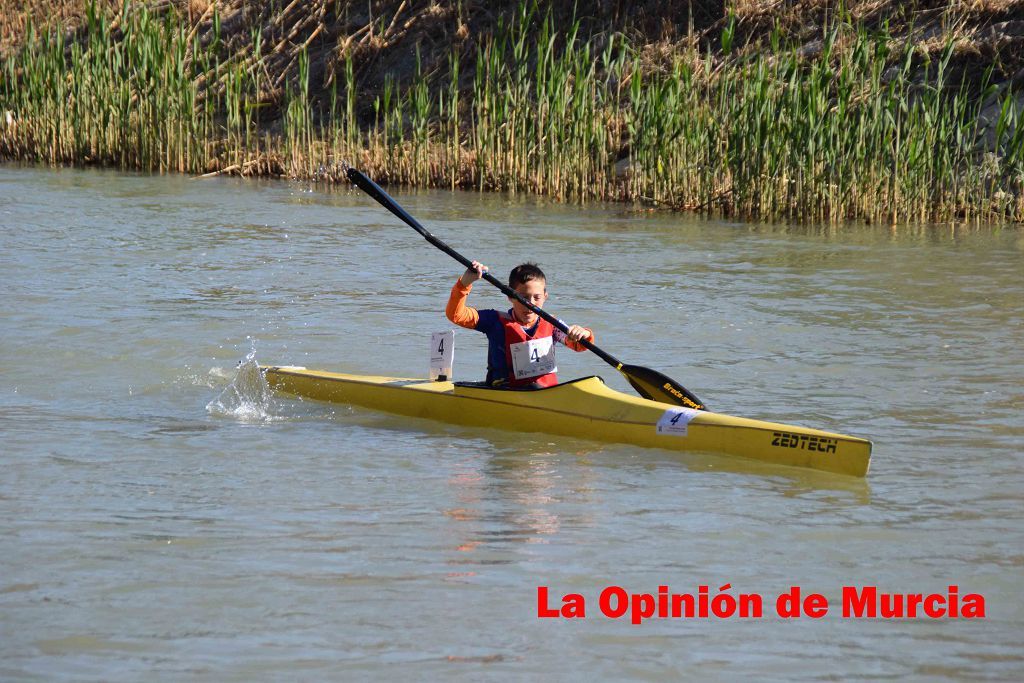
(502, 387)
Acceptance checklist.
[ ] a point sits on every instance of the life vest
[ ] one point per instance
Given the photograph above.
(515, 334)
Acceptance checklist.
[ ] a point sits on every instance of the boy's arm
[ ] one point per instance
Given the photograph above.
(457, 310)
(578, 331)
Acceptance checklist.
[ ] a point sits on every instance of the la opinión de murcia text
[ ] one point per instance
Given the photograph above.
(857, 602)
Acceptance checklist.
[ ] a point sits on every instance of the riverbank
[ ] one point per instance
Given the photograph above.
(882, 112)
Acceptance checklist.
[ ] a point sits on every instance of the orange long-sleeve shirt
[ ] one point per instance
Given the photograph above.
(457, 310)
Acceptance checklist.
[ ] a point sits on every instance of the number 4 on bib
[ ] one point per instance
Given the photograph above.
(675, 421)
(533, 358)
(442, 355)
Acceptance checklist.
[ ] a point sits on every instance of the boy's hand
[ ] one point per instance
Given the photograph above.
(577, 333)
(473, 274)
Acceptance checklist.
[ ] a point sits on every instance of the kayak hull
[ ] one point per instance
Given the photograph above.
(584, 408)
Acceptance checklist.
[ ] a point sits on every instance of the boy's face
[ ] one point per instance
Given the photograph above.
(536, 292)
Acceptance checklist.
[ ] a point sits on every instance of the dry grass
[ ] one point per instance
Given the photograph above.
(44, 14)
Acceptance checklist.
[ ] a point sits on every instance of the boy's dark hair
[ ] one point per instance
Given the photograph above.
(523, 273)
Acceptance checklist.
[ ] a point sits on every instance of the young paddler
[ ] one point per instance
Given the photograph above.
(521, 351)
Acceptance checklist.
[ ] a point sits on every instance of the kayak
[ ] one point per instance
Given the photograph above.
(584, 408)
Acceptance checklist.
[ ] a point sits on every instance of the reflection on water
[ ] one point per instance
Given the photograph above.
(163, 514)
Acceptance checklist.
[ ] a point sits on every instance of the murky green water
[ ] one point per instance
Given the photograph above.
(144, 536)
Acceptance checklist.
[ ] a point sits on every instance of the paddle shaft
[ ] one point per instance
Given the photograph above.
(371, 188)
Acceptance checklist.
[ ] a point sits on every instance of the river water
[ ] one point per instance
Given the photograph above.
(159, 521)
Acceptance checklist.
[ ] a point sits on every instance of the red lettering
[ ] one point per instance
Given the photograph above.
(683, 605)
(892, 606)
(914, 600)
(543, 611)
(859, 604)
(974, 606)
(643, 607)
(724, 605)
(621, 602)
(574, 606)
(931, 609)
(815, 606)
(788, 604)
(751, 605)
(663, 610)
(867, 602)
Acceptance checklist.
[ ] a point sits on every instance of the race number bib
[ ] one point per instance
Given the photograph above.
(676, 421)
(533, 358)
(442, 355)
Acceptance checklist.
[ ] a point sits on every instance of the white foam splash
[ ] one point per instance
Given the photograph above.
(221, 373)
(248, 397)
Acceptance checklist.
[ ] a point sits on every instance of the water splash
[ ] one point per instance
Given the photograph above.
(218, 373)
(248, 397)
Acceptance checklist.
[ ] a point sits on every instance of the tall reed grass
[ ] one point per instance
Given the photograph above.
(849, 133)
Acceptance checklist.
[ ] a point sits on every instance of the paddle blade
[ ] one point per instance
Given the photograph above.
(657, 387)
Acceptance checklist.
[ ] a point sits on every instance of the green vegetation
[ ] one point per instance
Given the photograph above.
(844, 134)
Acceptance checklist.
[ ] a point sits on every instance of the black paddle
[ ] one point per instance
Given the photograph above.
(648, 383)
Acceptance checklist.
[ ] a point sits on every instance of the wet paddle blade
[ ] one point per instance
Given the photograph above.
(657, 387)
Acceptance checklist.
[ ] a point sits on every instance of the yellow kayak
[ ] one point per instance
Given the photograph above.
(584, 408)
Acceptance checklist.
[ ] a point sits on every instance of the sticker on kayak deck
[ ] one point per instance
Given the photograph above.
(675, 420)
(442, 355)
(533, 358)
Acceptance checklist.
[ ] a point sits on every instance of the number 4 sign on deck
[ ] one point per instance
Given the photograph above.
(442, 355)
(675, 421)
